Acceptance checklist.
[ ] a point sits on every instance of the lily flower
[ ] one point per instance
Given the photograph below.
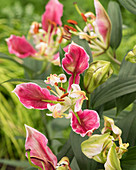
(97, 30)
(20, 46)
(39, 153)
(88, 121)
(33, 96)
(54, 11)
(75, 63)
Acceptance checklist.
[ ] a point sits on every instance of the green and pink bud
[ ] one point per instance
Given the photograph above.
(97, 73)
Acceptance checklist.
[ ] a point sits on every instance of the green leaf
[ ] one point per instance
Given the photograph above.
(21, 164)
(130, 5)
(61, 54)
(41, 83)
(110, 91)
(82, 161)
(66, 151)
(116, 20)
(122, 102)
(84, 44)
(128, 160)
(4, 56)
(128, 126)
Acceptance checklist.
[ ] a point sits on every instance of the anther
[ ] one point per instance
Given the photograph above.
(61, 78)
(70, 28)
(48, 87)
(52, 22)
(70, 21)
(56, 83)
(60, 40)
(64, 95)
(28, 150)
(84, 17)
(36, 27)
(60, 100)
(61, 88)
(66, 37)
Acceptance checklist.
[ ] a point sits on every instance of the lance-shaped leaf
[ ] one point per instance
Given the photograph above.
(103, 22)
(112, 162)
(40, 153)
(75, 63)
(33, 96)
(94, 145)
(86, 123)
(54, 11)
(20, 46)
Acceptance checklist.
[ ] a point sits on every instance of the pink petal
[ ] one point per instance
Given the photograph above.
(37, 143)
(31, 95)
(102, 21)
(20, 46)
(75, 63)
(89, 122)
(54, 11)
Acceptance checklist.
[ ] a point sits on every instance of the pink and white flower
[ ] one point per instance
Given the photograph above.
(86, 123)
(20, 46)
(54, 11)
(40, 153)
(75, 63)
(33, 96)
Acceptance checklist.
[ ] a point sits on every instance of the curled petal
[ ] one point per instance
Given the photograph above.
(103, 22)
(52, 79)
(75, 62)
(89, 121)
(32, 96)
(56, 110)
(54, 11)
(20, 46)
(40, 153)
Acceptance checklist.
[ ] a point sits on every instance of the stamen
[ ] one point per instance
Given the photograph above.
(52, 23)
(48, 87)
(61, 78)
(60, 100)
(66, 37)
(56, 83)
(66, 29)
(70, 21)
(84, 17)
(70, 28)
(36, 27)
(64, 95)
(60, 40)
(61, 88)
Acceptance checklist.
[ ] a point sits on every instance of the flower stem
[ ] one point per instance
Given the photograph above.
(88, 101)
(113, 59)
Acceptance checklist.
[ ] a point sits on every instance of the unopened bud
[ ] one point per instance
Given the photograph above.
(131, 56)
(97, 73)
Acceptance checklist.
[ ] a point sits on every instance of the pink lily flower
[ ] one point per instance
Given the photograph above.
(103, 22)
(20, 46)
(33, 96)
(54, 11)
(75, 63)
(40, 153)
(88, 121)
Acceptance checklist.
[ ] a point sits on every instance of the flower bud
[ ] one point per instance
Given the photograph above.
(131, 56)
(97, 73)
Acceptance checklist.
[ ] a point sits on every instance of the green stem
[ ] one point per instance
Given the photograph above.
(113, 59)
(88, 101)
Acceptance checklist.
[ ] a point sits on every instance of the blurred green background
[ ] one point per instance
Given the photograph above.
(16, 17)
